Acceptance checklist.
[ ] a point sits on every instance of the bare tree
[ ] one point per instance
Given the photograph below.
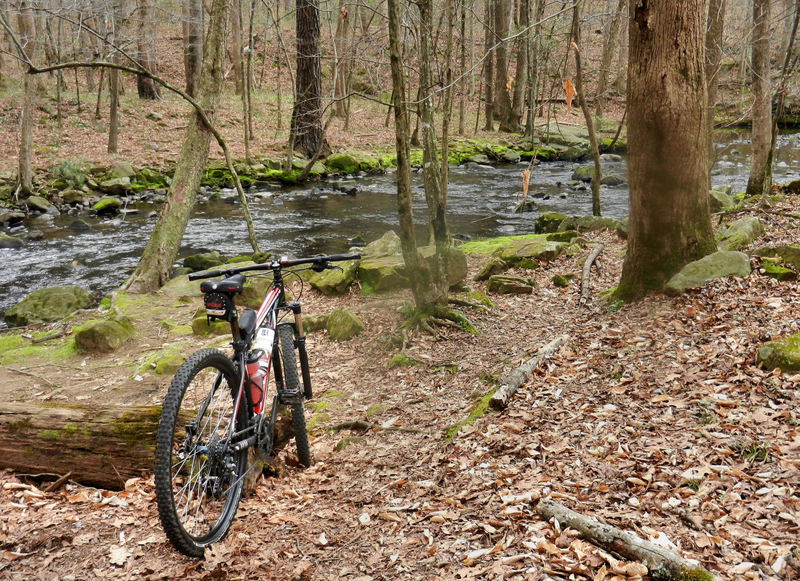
(670, 221)
(192, 25)
(27, 36)
(147, 87)
(610, 43)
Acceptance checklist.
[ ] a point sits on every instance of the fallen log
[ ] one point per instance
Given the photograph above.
(661, 563)
(587, 269)
(511, 382)
(99, 446)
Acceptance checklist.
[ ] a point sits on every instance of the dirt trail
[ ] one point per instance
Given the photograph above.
(653, 418)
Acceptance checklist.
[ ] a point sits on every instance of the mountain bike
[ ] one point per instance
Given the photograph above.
(216, 409)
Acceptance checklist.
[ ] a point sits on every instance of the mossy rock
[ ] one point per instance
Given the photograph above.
(583, 173)
(782, 353)
(526, 253)
(343, 163)
(589, 223)
(335, 282)
(388, 244)
(202, 325)
(548, 222)
(104, 335)
(122, 169)
(107, 206)
(116, 186)
(787, 254)
(456, 262)
(73, 196)
(313, 323)
(7, 241)
(494, 266)
(342, 325)
(720, 199)
(38, 203)
(167, 361)
(509, 285)
(203, 261)
(778, 272)
(740, 234)
(382, 273)
(562, 280)
(713, 266)
(48, 304)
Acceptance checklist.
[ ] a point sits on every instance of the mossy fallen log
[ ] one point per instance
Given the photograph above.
(101, 445)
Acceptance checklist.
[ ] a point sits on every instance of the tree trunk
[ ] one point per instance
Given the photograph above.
(192, 24)
(534, 60)
(235, 46)
(306, 128)
(113, 110)
(610, 42)
(402, 143)
(760, 180)
(342, 56)
(518, 101)
(155, 266)
(27, 33)
(670, 222)
(714, 37)
(147, 87)
(502, 100)
(488, 64)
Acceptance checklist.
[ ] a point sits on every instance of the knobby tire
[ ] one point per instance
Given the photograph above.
(198, 488)
(291, 382)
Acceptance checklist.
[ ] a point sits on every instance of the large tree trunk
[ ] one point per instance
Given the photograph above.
(534, 59)
(488, 63)
(518, 101)
(502, 100)
(155, 266)
(27, 33)
(760, 180)
(342, 59)
(192, 25)
(306, 129)
(147, 87)
(670, 222)
(610, 42)
(402, 143)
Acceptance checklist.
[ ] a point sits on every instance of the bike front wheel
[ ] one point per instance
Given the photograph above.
(291, 383)
(198, 473)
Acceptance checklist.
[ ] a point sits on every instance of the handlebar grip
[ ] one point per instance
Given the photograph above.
(341, 257)
(206, 274)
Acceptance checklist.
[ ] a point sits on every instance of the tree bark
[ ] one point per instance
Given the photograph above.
(502, 101)
(192, 25)
(155, 266)
(145, 86)
(668, 144)
(534, 59)
(488, 64)
(512, 381)
(235, 46)
(101, 446)
(760, 179)
(610, 42)
(714, 37)
(342, 59)
(520, 84)
(306, 129)
(27, 33)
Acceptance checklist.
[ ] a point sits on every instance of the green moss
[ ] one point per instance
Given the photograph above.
(50, 435)
(10, 342)
(317, 406)
(376, 409)
(316, 420)
(137, 427)
(479, 407)
(335, 394)
(403, 360)
(490, 246)
(478, 296)
(19, 426)
(345, 442)
(451, 368)
(415, 158)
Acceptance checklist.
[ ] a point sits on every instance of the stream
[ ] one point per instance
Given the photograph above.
(317, 218)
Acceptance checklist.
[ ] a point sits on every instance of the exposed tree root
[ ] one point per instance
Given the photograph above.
(439, 316)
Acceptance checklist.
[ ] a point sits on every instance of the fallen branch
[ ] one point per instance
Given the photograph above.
(39, 377)
(587, 268)
(52, 487)
(662, 563)
(56, 335)
(511, 382)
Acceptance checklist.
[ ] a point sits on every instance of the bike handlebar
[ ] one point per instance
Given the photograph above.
(320, 261)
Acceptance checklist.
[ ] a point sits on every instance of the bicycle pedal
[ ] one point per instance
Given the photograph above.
(286, 397)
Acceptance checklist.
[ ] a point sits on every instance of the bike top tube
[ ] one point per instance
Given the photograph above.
(320, 261)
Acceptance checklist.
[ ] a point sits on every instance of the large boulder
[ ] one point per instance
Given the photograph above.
(342, 325)
(509, 285)
(335, 282)
(720, 199)
(782, 353)
(122, 169)
(717, 265)
(548, 222)
(48, 304)
(341, 163)
(386, 245)
(40, 204)
(382, 273)
(787, 254)
(583, 173)
(739, 234)
(104, 335)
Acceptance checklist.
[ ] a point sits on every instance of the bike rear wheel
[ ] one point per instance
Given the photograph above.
(198, 475)
(291, 383)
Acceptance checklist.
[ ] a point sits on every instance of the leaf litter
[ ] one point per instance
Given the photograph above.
(652, 418)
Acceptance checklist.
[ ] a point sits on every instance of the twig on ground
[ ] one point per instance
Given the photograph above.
(56, 335)
(47, 381)
(587, 268)
(52, 487)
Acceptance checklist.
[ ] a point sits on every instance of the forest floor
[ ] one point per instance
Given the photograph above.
(653, 417)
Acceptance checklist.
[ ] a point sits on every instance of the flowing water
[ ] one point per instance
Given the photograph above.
(320, 219)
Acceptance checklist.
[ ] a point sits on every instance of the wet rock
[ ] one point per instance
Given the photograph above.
(203, 261)
(612, 180)
(35, 235)
(583, 173)
(11, 217)
(713, 266)
(526, 206)
(73, 196)
(10, 241)
(342, 325)
(610, 157)
(107, 206)
(80, 225)
(39, 204)
(48, 304)
(116, 186)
